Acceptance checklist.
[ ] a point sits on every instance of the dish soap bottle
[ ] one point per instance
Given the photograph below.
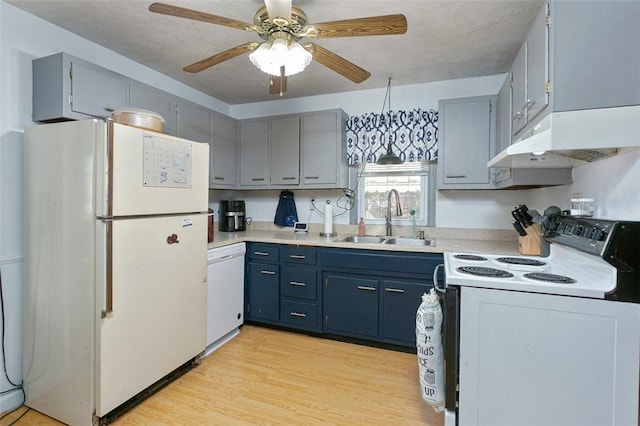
(361, 229)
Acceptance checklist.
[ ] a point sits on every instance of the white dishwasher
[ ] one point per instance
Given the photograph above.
(225, 294)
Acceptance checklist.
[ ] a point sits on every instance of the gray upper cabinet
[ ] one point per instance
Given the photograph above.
(530, 74)
(323, 149)
(254, 154)
(577, 56)
(224, 153)
(151, 99)
(194, 122)
(503, 112)
(467, 142)
(519, 90)
(68, 88)
(284, 150)
(294, 151)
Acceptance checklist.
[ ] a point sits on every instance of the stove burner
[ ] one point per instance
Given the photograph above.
(473, 257)
(520, 261)
(484, 272)
(551, 278)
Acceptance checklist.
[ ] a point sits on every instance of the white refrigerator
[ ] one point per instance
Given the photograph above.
(115, 264)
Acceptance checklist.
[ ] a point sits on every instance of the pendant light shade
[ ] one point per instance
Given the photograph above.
(389, 157)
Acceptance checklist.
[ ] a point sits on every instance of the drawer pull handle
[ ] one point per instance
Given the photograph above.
(394, 290)
(260, 253)
(312, 177)
(289, 178)
(297, 256)
(456, 176)
(364, 287)
(257, 179)
(298, 314)
(267, 272)
(218, 178)
(297, 283)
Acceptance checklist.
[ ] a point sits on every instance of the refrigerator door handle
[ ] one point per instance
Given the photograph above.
(109, 271)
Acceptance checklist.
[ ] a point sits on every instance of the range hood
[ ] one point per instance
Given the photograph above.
(568, 138)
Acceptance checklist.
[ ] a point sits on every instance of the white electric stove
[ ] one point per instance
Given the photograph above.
(566, 271)
(546, 340)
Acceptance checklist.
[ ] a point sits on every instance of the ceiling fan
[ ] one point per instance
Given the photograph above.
(282, 25)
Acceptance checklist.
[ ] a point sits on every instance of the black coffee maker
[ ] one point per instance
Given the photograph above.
(232, 216)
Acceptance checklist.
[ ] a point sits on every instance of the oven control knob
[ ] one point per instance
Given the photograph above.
(598, 234)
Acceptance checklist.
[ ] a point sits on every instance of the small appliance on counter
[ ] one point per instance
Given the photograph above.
(232, 216)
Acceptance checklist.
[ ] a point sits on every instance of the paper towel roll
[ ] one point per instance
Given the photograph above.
(328, 218)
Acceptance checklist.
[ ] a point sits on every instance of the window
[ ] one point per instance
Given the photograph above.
(414, 184)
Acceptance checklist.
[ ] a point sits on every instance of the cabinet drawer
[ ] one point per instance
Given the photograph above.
(301, 314)
(299, 282)
(380, 261)
(263, 252)
(301, 255)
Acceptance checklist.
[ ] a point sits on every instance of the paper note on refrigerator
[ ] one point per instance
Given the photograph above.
(167, 162)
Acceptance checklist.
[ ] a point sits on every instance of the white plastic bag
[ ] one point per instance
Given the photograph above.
(430, 351)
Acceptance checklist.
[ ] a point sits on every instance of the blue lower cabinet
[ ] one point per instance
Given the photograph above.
(263, 291)
(350, 305)
(400, 301)
(370, 295)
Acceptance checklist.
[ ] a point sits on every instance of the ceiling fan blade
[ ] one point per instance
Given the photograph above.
(167, 9)
(221, 57)
(278, 83)
(278, 9)
(359, 27)
(337, 63)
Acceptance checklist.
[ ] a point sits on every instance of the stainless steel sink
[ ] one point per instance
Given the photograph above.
(366, 239)
(405, 241)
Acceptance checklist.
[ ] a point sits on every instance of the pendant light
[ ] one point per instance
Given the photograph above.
(390, 157)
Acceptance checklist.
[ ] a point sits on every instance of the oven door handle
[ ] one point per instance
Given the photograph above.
(435, 279)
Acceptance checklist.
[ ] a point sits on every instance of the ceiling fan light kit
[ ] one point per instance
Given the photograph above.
(269, 57)
(282, 26)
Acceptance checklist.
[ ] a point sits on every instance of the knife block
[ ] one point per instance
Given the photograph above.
(531, 243)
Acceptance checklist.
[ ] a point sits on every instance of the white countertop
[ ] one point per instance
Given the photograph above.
(288, 236)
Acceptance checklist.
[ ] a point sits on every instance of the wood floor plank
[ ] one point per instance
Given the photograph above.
(272, 377)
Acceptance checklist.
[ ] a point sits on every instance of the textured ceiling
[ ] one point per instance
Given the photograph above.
(446, 39)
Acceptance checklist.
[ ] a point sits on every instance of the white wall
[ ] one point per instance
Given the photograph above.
(614, 184)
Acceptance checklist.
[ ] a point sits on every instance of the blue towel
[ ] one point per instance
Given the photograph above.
(286, 213)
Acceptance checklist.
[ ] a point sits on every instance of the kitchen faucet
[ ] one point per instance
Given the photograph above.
(387, 217)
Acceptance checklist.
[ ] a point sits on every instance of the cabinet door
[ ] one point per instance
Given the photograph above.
(95, 91)
(224, 160)
(350, 305)
(519, 90)
(537, 65)
(151, 99)
(400, 301)
(254, 153)
(284, 157)
(263, 296)
(194, 122)
(503, 116)
(467, 137)
(321, 147)
(299, 283)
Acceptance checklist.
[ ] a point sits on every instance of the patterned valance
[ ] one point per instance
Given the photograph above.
(414, 136)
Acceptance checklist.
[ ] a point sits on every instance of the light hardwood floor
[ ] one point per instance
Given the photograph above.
(272, 377)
